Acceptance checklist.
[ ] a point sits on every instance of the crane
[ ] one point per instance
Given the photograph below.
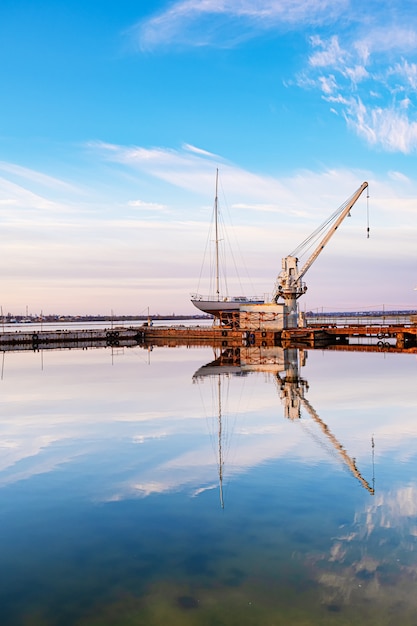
(289, 284)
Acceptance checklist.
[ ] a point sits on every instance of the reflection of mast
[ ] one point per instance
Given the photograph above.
(219, 397)
(292, 392)
(292, 388)
(217, 407)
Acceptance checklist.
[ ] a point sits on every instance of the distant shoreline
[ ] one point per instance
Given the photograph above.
(45, 319)
(22, 319)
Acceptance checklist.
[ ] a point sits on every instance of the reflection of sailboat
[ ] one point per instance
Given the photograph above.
(285, 368)
(217, 303)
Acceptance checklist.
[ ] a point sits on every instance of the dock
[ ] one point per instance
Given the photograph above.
(376, 337)
(365, 337)
(402, 337)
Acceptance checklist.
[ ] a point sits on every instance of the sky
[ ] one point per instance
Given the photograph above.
(115, 116)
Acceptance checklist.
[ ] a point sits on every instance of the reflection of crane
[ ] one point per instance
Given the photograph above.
(338, 446)
(289, 284)
(292, 389)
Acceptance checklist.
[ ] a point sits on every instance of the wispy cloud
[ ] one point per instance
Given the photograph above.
(148, 206)
(225, 23)
(166, 197)
(364, 66)
(370, 79)
(24, 191)
(192, 169)
(390, 128)
(13, 196)
(26, 174)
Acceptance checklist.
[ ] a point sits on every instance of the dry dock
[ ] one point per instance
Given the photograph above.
(399, 338)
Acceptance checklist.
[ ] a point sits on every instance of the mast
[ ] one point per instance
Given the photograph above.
(217, 236)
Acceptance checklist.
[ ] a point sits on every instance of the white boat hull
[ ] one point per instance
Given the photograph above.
(227, 305)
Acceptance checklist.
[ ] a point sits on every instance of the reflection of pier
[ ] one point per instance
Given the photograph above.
(284, 365)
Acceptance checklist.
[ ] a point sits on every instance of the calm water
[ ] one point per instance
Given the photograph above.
(141, 488)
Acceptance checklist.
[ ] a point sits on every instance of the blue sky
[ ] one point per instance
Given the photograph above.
(115, 115)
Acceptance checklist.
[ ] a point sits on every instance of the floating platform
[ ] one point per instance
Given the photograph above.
(37, 340)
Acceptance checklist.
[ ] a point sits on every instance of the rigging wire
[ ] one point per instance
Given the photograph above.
(308, 243)
(235, 245)
(301, 249)
(206, 251)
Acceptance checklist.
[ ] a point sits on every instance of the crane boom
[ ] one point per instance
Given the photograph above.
(332, 230)
(289, 284)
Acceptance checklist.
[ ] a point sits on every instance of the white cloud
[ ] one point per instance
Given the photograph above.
(14, 195)
(26, 174)
(363, 66)
(328, 84)
(386, 38)
(200, 151)
(193, 169)
(330, 54)
(226, 22)
(408, 71)
(350, 53)
(399, 176)
(357, 73)
(147, 206)
(388, 127)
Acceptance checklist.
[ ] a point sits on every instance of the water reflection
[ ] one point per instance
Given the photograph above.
(284, 365)
(111, 465)
(372, 559)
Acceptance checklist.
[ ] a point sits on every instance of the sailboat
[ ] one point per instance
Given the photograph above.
(220, 305)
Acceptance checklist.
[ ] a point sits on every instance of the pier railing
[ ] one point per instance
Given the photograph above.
(360, 319)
